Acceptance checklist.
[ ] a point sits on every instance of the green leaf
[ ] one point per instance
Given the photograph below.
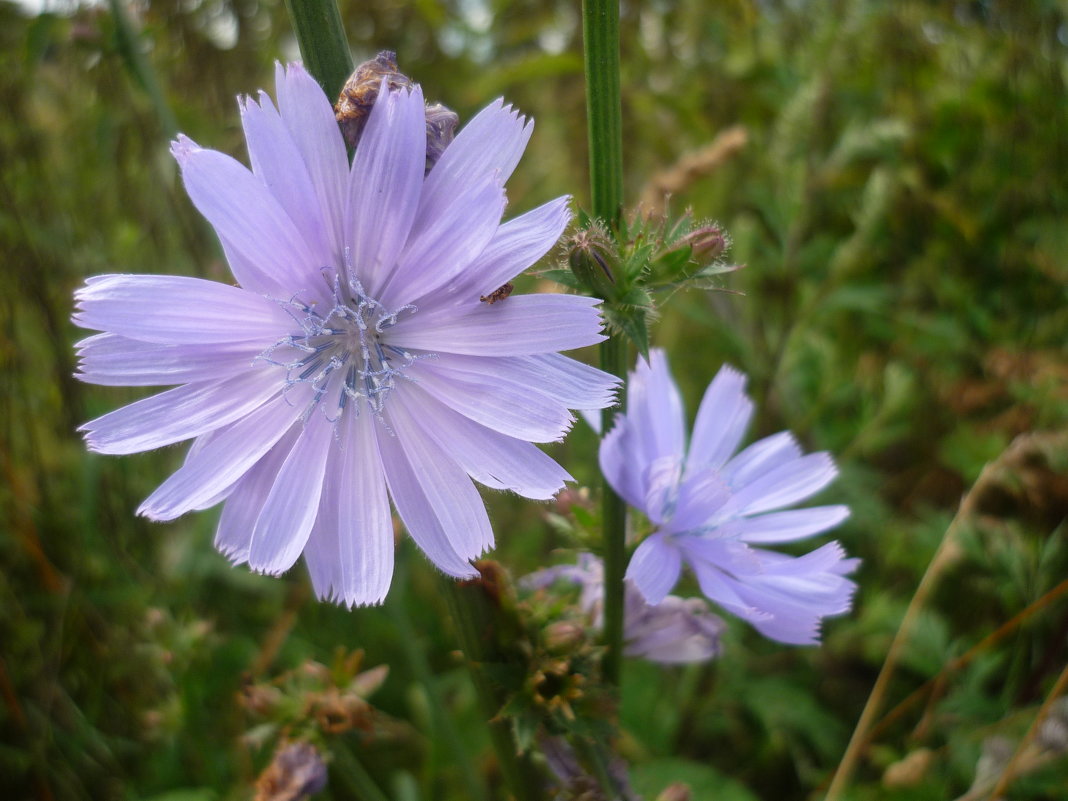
(632, 323)
(705, 782)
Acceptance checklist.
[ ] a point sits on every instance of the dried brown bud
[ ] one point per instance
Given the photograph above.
(360, 91)
(563, 636)
(358, 97)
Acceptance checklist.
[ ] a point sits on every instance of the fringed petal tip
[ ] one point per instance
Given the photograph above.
(183, 147)
(350, 602)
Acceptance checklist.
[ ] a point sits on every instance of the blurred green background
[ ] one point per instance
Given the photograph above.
(893, 174)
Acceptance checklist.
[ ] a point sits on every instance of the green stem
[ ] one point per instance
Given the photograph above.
(475, 620)
(600, 32)
(614, 525)
(317, 25)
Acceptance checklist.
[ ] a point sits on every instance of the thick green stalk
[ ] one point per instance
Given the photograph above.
(317, 25)
(600, 31)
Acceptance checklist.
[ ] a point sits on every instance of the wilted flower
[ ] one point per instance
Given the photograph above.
(713, 509)
(353, 362)
(296, 773)
(674, 631)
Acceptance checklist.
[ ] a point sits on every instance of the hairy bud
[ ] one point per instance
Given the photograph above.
(591, 257)
(707, 244)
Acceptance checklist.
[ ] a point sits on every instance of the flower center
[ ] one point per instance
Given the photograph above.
(343, 353)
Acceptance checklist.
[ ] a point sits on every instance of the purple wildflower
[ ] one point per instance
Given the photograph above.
(353, 362)
(674, 631)
(712, 508)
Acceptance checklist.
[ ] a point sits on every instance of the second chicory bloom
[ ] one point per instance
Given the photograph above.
(714, 510)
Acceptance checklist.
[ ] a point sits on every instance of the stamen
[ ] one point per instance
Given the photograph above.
(339, 352)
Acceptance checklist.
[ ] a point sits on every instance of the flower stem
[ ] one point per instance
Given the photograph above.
(317, 25)
(600, 32)
(614, 526)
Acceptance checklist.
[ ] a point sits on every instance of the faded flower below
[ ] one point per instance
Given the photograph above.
(353, 362)
(674, 631)
(714, 509)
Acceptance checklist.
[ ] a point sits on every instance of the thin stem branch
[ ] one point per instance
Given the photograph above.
(949, 550)
(600, 32)
(1015, 764)
(317, 25)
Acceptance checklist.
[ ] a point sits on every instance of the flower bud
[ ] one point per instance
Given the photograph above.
(358, 97)
(676, 791)
(360, 91)
(707, 243)
(588, 255)
(563, 636)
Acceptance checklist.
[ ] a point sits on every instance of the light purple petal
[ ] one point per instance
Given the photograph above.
(365, 524)
(701, 495)
(277, 161)
(113, 360)
(522, 325)
(654, 568)
(176, 310)
(496, 403)
(489, 146)
(238, 519)
(721, 421)
(350, 551)
(384, 185)
(443, 248)
(797, 592)
(675, 631)
(322, 553)
(446, 486)
(760, 457)
(309, 116)
(661, 482)
(619, 458)
(288, 514)
(516, 245)
(654, 409)
(276, 260)
(222, 461)
(417, 511)
(179, 414)
(790, 526)
(786, 484)
(519, 244)
(565, 381)
(492, 459)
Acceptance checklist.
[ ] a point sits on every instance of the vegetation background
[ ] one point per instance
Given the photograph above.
(895, 178)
